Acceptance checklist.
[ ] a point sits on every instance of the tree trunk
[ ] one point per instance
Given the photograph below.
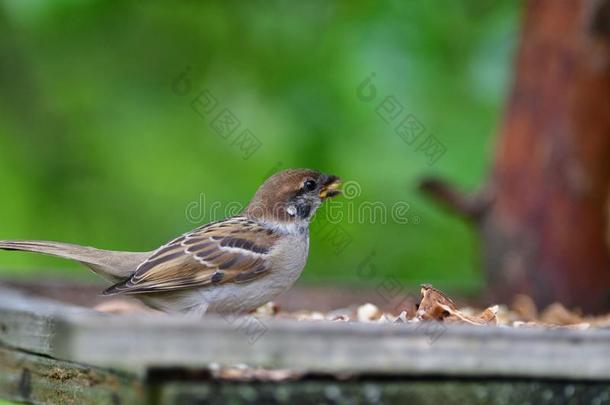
(546, 233)
(545, 226)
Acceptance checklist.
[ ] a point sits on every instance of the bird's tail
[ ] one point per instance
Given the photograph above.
(109, 264)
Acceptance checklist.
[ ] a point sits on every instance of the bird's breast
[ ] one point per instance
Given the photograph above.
(288, 259)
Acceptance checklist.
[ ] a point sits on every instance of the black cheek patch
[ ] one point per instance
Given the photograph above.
(303, 210)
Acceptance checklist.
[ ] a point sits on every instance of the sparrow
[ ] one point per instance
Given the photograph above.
(230, 266)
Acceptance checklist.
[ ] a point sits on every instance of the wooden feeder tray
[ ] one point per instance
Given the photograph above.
(54, 352)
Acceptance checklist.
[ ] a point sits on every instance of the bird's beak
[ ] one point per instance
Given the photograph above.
(330, 187)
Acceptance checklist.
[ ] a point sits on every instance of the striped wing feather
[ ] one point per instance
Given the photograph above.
(232, 251)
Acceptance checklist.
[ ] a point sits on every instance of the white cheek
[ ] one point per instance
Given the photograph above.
(291, 210)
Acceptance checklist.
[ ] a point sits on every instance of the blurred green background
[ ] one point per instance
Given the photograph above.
(99, 144)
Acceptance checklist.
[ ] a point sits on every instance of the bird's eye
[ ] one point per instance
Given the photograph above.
(310, 185)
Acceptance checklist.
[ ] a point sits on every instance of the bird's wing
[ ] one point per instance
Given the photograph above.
(235, 250)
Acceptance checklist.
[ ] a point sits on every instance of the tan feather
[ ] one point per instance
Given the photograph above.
(111, 265)
(232, 251)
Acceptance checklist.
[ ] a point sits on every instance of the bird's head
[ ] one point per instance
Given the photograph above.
(292, 196)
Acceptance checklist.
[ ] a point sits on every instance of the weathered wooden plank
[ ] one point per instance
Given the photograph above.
(28, 322)
(137, 343)
(41, 380)
(339, 348)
